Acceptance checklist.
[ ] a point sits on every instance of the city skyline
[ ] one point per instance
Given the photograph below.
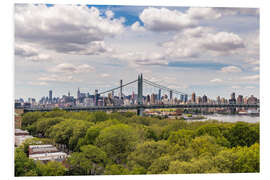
(213, 51)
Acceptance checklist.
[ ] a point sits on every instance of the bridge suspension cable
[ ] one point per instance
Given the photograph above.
(119, 87)
(162, 87)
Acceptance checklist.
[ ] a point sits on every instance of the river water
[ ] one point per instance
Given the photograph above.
(231, 118)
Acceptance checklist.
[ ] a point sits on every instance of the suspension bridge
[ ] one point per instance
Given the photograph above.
(140, 104)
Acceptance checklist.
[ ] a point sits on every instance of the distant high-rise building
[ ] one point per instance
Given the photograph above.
(218, 100)
(182, 98)
(232, 100)
(68, 94)
(252, 100)
(193, 97)
(159, 95)
(240, 99)
(186, 98)
(204, 99)
(50, 96)
(233, 96)
(78, 94)
(171, 95)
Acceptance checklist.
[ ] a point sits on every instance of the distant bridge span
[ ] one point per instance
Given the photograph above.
(158, 106)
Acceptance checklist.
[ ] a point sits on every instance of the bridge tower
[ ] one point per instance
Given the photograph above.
(140, 95)
(121, 89)
(96, 97)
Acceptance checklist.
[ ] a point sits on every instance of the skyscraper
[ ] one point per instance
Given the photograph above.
(159, 95)
(193, 97)
(78, 94)
(204, 99)
(240, 99)
(50, 96)
(186, 98)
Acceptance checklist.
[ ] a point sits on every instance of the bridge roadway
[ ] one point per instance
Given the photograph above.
(158, 106)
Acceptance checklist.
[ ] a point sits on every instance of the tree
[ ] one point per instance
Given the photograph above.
(117, 141)
(182, 137)
(239, 159)
(160, 165)
(204, 145)
(116, 169)
(30, 117)
(241, 134)
(69, 132)
(43, 124)
(23, 165)
(90, 161)
(214, 130)
(145, 153)
(52, 168)
(202, 165)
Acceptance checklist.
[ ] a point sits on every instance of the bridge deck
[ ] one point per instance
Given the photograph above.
(159, 106)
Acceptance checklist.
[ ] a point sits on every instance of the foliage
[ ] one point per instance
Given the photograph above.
(242, 134)
(145, 153)
(52, 168)
(117, 141)
(90, 161)
(23, 165)
(123, 143)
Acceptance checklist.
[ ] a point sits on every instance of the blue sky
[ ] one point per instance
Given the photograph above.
(211, 51)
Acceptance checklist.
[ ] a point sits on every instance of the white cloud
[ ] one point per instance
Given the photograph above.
(38, 83)
(137, 27)
(105, 75)
(142, 58)
(251, 78)
(236, 11)
(236, 87)
(71, 68)
(203, 13)
(216, 80)
(193, 42)
(65, 28)
(230, 69)
(163, 19)
(30, 53)
(56, 78)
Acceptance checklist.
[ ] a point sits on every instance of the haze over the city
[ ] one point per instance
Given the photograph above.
(212, 51)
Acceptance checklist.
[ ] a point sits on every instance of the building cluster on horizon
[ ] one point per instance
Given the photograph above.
(111, 99)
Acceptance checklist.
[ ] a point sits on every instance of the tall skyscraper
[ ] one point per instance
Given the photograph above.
(240, 99)
(218, 100)
(50, 96)
(204, 99)
(159, 95)
(78, 94)
(182, 98)
(193, 97)
(171, 95)
(232, 100)
(186, 98)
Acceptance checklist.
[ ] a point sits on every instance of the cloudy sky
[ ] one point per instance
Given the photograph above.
(212, 51)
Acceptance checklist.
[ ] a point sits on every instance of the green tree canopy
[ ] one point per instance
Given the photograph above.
(23, 165)
(145, 153)
(117, 141)
(90, 161)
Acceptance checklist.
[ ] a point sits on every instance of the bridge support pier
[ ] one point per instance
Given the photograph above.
(140, 95)
(140, 111)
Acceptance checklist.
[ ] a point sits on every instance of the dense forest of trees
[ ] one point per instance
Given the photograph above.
(123, 143)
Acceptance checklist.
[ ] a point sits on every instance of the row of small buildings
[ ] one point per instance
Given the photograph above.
(40, 152)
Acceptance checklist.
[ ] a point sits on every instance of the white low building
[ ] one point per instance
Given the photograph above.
(20, 139)
(53, 156)
(46, 152)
